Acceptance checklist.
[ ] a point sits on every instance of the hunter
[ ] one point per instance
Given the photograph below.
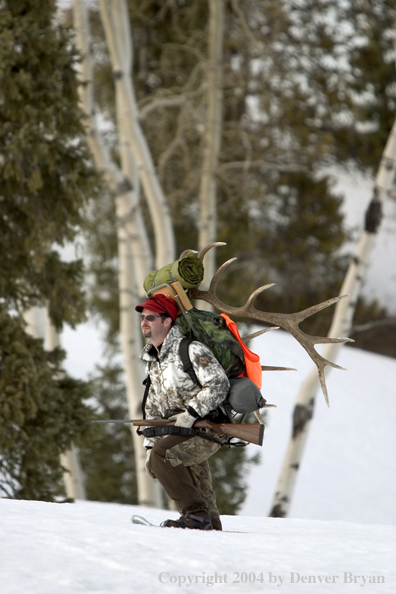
(180, 461)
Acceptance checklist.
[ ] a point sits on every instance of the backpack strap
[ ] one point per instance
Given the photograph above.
(185, 357)
(146, 384)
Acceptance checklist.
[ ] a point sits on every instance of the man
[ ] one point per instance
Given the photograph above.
(179, 461)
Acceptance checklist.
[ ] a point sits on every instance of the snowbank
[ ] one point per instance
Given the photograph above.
(93, 548)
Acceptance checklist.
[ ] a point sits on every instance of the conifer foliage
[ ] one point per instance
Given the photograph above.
(45, 179)
(41, 411)
(108, 456)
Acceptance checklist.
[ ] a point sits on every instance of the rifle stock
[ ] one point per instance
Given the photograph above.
(244, 431)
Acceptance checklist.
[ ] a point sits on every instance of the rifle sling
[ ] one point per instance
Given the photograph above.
(173, 430)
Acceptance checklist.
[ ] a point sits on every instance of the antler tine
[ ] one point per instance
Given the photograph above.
(185, 253)
(219, 272)
(322, 381)
(309, 311)
(254, 296)
(208, 247)
(327, 340)
(321, 363)
(258, 333)
(276, 368)
(308, 342)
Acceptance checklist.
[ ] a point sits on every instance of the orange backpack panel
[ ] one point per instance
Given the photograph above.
(252, 361)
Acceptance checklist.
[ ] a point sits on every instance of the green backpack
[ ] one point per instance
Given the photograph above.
(211, 329)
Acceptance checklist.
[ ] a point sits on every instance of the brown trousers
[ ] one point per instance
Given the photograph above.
(181, 466)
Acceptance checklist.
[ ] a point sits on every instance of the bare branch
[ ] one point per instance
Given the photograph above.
(172, 101)
(160, 104)
(247, 164)
(371, 325)
(244, 25)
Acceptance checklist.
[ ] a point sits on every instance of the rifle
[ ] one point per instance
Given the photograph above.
(244, 431)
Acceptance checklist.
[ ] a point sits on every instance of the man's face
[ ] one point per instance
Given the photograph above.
(156, 329)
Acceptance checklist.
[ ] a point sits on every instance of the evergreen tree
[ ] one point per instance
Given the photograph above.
(107, 456)
(45, 176)
(229, 469)
(370, 82)
(103, 294)
(45, 181)
(42, 411)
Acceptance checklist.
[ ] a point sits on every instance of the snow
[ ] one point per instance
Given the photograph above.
(340, 536)
(349, 468)
(89, 547)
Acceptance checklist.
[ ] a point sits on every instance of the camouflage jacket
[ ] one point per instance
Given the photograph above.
(171, 388)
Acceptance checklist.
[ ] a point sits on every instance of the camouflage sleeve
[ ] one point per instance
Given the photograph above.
(151, 409)
(211, 376)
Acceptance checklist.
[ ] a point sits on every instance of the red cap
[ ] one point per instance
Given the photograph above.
(160, 304)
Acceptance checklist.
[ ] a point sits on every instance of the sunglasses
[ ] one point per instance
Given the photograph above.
(149, 318)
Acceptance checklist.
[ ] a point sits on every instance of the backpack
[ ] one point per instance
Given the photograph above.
(220, 334)
(211, 329)
(243, 369)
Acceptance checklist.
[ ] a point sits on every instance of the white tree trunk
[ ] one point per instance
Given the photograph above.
(212, 138)
(134, 254)
(35, 322)
(73, 475)
(115, 18)
(341, 326)
(123, 186)
(39, 326)
(70, 460)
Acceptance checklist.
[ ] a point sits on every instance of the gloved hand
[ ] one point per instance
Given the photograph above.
(148, 469)
(183, 419)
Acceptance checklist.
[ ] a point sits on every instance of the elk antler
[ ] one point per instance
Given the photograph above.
(208, 247)
(289, 322)
(259, 333)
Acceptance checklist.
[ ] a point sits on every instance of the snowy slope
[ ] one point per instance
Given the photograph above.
(349, 468)
(347, 479)
(93, 548)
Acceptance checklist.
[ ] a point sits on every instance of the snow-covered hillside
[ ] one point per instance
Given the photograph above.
(349, 470)
(93, 548)
(336, 541)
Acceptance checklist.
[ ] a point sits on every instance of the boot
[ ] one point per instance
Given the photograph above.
(216, 523)
(190, 521)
